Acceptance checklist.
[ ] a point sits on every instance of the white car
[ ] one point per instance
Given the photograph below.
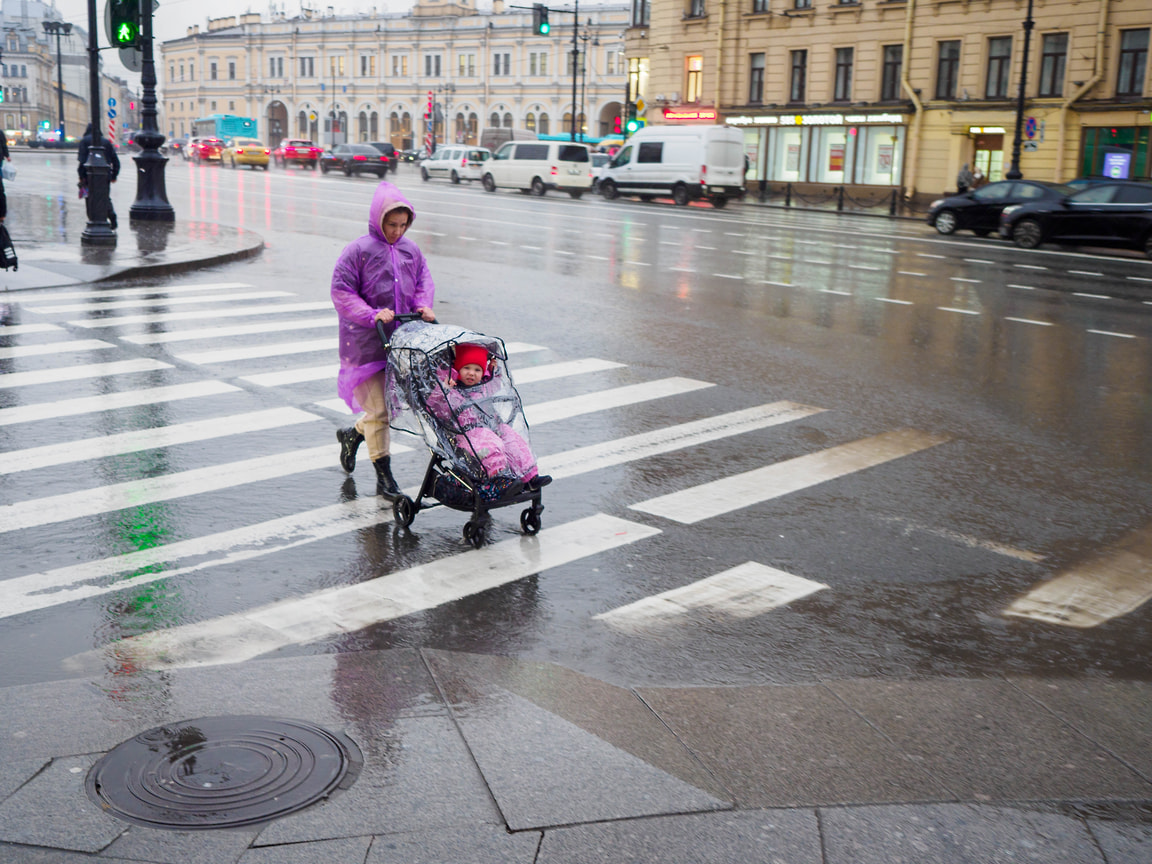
(537, 166)
(456, 162)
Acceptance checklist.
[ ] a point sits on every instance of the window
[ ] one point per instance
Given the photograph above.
(947, 68)
(181, 71)
(191, 72)
(1053, 56)
(696, 9)
(542, 125)
(695, 80)
(640, 11)
(843, 88)
(212, 70)
(275, 67)
(802, 4)
(756, 80)
(999, 66)
(231, 105)
(431, 65)
(651, 151)
(307, 69)
(759, 6)
(171, 72)
(1133, 62)
(893, 70)
(799, 73)
(530, 121)
(466, 65)
(399, 65)
(502, 64)
(231, 70)
(336, 67)
(538, 63)
(367, 65)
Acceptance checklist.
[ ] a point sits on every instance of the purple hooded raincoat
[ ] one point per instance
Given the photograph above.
(372, 274)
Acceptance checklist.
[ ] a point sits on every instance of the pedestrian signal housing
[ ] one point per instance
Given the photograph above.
(125, 21)
(540, 25)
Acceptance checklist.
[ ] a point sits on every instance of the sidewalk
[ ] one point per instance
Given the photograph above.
(468, 759)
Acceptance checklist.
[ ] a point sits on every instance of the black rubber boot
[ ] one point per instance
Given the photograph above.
(385, 482)
(538, 482)
(349, 442)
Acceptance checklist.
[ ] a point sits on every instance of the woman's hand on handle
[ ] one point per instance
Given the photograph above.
(426, 313)
(385, 316)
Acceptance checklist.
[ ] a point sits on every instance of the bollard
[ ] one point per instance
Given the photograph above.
(892, 206)
(763, 190)
(840, 198)
(788, 196)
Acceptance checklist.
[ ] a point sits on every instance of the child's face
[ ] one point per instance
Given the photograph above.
(394, 225)
(471, 374)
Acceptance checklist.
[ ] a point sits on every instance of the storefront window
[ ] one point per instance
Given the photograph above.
(788, 162)
(1121, 153)
(831, 155)
(879, 155)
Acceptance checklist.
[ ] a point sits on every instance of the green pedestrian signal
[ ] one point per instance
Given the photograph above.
(125, 23)
(540, 25)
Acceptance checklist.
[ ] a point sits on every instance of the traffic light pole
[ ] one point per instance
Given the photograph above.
(98, 232)
(151, 195)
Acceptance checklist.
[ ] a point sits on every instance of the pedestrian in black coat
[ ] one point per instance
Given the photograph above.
(3, 196)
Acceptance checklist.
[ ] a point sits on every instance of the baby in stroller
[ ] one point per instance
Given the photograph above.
(452, 387)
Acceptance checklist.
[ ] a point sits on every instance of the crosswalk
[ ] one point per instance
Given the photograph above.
(163, 381)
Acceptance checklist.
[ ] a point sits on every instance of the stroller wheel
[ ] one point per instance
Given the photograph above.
(474, 534)
(403, 511)
(530, 521)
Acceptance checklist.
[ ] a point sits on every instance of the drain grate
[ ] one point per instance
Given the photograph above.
(220, 772)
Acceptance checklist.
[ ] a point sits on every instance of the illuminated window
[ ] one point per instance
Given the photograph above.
(694, 85)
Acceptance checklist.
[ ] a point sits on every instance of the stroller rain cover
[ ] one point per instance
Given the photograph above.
(422, 402)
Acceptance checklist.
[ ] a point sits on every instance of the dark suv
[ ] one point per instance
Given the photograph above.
(1118, 213)
(388, 150)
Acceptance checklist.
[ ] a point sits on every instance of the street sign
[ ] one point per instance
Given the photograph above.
(132, 58)
(1029, 146)
(640, 106)
(1030, 127)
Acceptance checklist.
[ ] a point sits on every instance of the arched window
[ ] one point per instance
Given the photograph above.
(473, 128)
(302, 125)
(460, 125)
(373, 126)
(362, 124)
(530, 121)
(494, 120)
(542, 128)
(567, 127)
(507, 121)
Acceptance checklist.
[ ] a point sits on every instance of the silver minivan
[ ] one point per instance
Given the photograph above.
(537, 166)
(456, 162)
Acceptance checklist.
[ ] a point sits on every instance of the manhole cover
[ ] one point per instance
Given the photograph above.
(218, 772)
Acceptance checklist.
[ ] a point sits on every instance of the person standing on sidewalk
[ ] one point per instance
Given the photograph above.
(4, 156)
(377, 277)
(113, 168)
(964, 180)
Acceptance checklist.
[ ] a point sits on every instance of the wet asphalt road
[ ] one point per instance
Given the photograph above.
(969, 421)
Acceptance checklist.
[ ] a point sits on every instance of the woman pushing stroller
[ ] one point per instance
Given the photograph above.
(378, 276)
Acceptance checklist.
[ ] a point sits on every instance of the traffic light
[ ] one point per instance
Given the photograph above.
(633, 124)
(540, 25)
(125, 20)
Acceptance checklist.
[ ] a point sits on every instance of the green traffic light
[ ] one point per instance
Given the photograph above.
(632, 126)
(545, 27)
(126, 33)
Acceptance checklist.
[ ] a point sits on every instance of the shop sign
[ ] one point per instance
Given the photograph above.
(986, 130)
(816, 120)
(695, 114)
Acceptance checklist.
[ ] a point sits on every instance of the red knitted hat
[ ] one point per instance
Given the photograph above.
(467, 355)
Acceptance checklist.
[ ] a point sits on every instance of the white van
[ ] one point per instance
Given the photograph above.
(538, 166)
(686, 162)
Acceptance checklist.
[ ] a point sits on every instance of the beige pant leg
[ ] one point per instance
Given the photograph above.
(373, 425)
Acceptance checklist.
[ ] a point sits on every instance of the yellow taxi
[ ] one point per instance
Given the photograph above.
(246, 151)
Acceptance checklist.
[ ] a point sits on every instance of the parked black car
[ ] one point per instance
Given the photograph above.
(979, 210)
(354, 159)
(390, 151)
(1106, 214)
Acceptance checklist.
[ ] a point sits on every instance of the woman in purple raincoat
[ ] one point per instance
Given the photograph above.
(378, 276)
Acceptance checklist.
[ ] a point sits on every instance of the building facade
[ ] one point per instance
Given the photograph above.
(372, 77)
(902, 93)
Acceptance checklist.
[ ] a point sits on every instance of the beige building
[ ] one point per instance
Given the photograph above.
(902, 93)
(370, 77)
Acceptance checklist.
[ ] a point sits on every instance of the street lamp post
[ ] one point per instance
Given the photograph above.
(585, 37)
(58, 29)
(1014, 171)
(447, 89)
(575, 54)
(151, 194)
(97, 232)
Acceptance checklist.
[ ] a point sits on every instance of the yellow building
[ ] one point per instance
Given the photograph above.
(902, 93)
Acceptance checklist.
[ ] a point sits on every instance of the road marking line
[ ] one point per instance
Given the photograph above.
(24, 329)
(745, 591)
(834, 291)
(954, 309)
(1139, 278)
(499, 242)
(101, 293)
(1022, 287)
(707, 248)
(112, 401)
(862, 267)
(734, 234)
(682, 269)
(531, 248)
(563, 252)
(672, 438)
(781, 284)
(817, 243)
(893, 300)
(168, 301)
(552, 371)
(1084, 273)
(669, 242)
(910, 273)
(742, 252)
(969, 281)
(78, 373)
(929, 255)
(597, 257)
(293, 376)
(1092, 296)
(1030, 266)
(252, 352)
(182, 484)
(1028, 321)
(639, 263)
(1110, 333)
(263, 310)
(329, 612)
(223, 332)
(1111, 583)
(728, 494)
(46, 348)
(979, 261)
(968, 540)
(727, 276)
(81, 450)
(814, 261)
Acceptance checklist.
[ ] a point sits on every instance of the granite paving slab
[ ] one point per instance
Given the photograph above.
(767, 836)
(139, 843)
(484, 845)
(1117, 715)
(54, 810)
(346, 850)
(987, 741)
(1124, 842)
(35, 855)
(789, 746)
(16, 771)
(953, 834)
(58, 718)
(544, 769)
(417, 774)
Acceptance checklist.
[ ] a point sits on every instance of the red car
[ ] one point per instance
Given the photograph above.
(207, 150)
(297, 151)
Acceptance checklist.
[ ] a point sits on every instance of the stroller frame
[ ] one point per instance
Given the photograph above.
(476, 529)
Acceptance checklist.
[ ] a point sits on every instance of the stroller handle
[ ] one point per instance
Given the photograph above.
(403, 318)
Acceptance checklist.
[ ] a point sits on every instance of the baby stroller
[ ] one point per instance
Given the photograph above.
(421, 402)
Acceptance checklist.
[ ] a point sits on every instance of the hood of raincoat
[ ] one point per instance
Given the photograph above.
(386, 199)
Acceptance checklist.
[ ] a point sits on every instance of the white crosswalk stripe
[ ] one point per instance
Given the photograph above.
(152, 291)
(252, 352)
(112, 401)
(24, 329)
(78, 373)
(167, 301)
(263, 310)
(72, 346)
(227, 332)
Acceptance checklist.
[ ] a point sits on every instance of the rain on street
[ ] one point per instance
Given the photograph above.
(787, 446)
